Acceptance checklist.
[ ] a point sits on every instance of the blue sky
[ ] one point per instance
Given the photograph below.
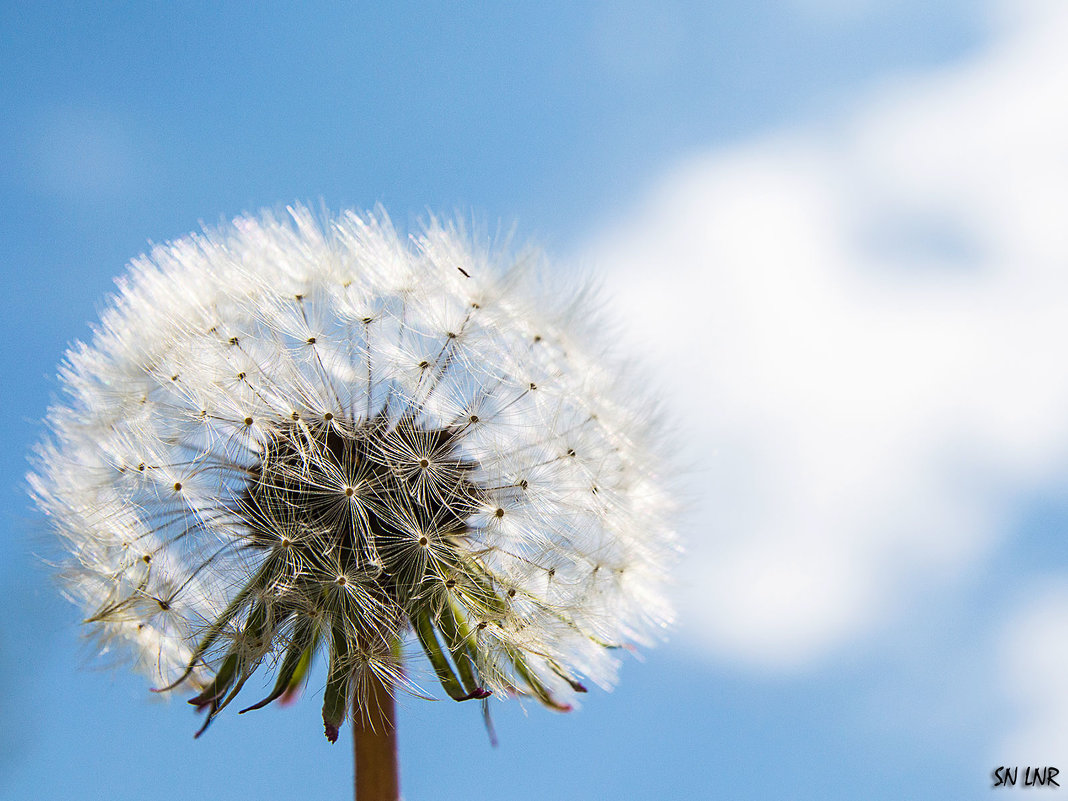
(864, 354)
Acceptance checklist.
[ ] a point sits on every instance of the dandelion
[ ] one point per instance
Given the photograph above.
(289, 440)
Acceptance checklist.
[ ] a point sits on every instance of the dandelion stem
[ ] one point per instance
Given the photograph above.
(374, 740)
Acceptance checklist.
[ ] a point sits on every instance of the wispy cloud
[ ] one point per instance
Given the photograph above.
(1034, 664)
(864, 320)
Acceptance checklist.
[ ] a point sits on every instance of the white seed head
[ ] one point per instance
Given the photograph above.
(288, 438)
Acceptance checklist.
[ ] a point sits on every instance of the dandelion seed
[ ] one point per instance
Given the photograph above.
(286, 442)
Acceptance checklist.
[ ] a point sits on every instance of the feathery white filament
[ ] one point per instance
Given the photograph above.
(283, 433)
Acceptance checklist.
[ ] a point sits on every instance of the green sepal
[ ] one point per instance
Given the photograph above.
(336, 697)
(428, 638)
(458, 637)
(214, 691)
(576, 685)
(295, 664)
(537, 688)
(300, 675)
(233, 674)
(216, 628)
(219, 684)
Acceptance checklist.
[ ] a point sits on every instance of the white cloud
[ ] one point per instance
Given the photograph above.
(1034, 663)
(863, 326)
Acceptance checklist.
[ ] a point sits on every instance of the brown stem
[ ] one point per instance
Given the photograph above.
(374, 741)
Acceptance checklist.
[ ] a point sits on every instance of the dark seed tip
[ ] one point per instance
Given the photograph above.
(203, 728)
(477, 694)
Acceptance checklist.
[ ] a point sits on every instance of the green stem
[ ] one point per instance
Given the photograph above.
(374, 740)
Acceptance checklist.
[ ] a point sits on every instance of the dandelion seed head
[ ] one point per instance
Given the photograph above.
(289, 438)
